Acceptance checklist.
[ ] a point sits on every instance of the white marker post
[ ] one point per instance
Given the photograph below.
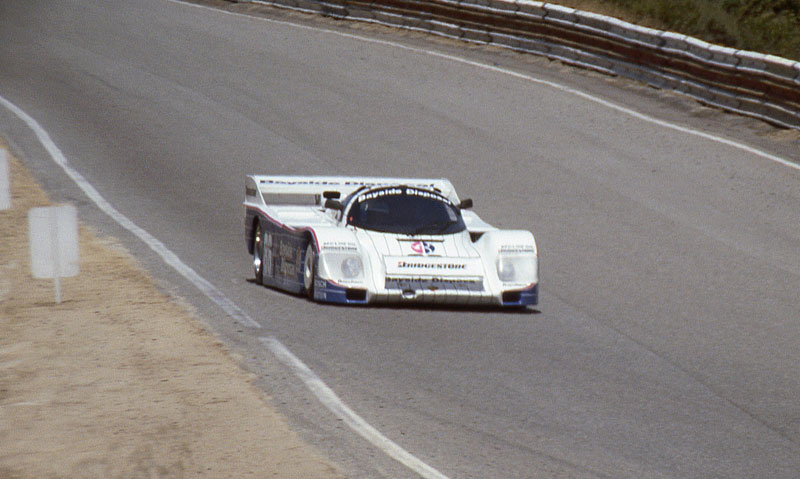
(5, 181)
(53, 241)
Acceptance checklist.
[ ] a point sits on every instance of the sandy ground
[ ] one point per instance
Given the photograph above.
(119, 381)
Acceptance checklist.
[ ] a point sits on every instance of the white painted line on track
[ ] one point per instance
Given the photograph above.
(522, 76)
(331, 401)
(154, 244)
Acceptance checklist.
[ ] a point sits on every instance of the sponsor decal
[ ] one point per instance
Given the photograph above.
(380, 193)
(433, 284)
(521, 248)
(423, 247)
(290, 257)
(287, 251)
(428, 265)
(331, 182)
(427, 194)
(300, 182)
(402, 191)
(339, 246)
(436, 266)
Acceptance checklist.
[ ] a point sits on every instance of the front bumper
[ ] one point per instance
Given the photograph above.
(331, 292)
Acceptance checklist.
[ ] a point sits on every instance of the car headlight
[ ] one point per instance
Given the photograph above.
(517, 268)
(352, 267)
(505, 270)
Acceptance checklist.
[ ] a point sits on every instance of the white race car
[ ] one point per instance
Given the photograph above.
(366, 240)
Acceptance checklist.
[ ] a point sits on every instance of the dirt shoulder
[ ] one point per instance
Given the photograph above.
(119, 381)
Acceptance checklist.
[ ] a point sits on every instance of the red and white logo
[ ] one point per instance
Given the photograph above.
(422, 247)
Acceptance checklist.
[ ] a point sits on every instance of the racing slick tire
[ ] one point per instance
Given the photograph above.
(258, 254)
(310, 270)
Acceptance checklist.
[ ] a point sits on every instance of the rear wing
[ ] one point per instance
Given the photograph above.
(262, 190)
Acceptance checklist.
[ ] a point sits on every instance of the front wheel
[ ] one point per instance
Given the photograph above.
(310, 270)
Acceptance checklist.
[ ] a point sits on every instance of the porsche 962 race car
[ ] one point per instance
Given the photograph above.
(366, 240)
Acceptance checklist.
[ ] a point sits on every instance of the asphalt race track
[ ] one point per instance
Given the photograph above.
(666, 341)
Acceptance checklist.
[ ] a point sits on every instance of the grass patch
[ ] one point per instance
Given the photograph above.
(765, 26)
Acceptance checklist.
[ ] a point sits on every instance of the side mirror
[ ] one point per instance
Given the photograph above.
(331, 195)
(465, 204)
(333, 204)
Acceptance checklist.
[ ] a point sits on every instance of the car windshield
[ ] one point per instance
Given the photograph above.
(405, 210)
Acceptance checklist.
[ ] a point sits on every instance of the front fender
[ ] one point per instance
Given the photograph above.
(510, 258)
(340, 258)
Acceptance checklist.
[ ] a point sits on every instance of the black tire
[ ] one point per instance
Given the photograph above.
(310, 270)
(258, 254)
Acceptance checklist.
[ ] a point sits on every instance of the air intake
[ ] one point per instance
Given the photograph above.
(353, 294)
(512, 297)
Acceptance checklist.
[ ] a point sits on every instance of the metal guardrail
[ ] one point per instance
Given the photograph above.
(762, 86)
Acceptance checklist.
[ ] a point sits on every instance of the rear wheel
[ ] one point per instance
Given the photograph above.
(258, 255)
(310, 270)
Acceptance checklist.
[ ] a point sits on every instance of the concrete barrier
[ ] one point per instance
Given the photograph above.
(763, 86)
